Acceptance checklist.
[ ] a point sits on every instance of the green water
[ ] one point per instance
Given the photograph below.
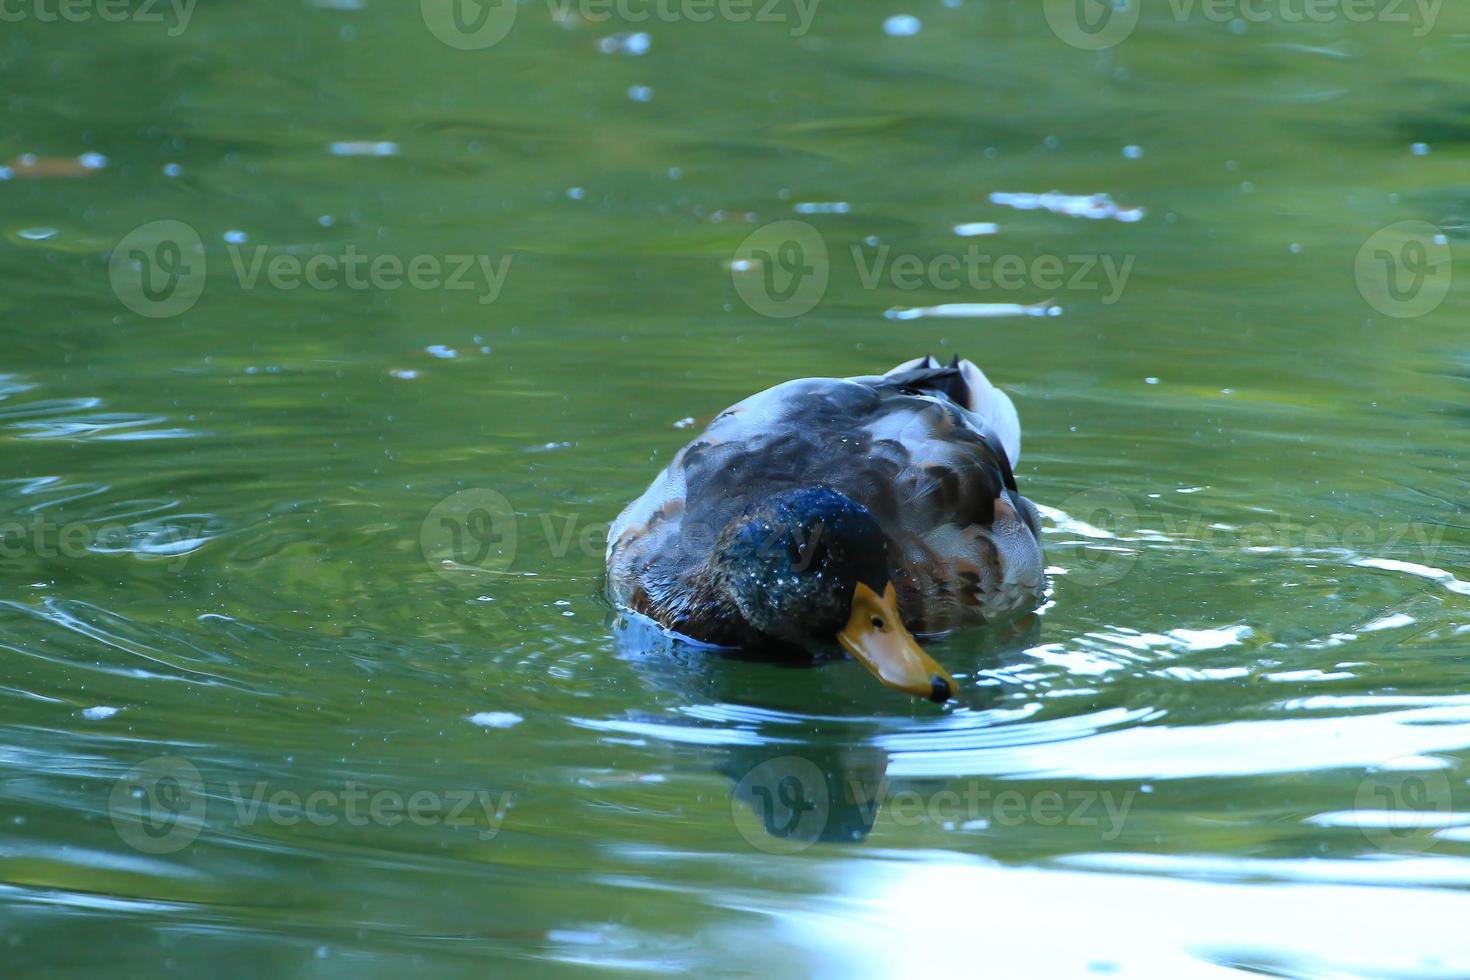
(331, 549)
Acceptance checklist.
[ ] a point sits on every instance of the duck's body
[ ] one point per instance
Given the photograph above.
(926, 450)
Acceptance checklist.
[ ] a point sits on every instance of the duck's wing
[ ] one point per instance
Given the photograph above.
(967, 385)
(761, 445)
(970, 543)
(907, 445)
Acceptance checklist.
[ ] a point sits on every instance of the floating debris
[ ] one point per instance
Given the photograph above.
(364, 148)
(1390, 622)
(635, 44)
(902, 25)
(496, 719)
(31, 165)
(1094, 206)
(822, 207)
(1439, 575)
(973, 310)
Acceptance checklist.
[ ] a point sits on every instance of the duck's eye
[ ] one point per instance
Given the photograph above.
(878, 623)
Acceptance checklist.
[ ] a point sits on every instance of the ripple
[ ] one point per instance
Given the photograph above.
(875, 914)
(973, 311)
(1437, 575)
(1238, 748)
(683, 734)
(102, 427)
(1094, 206)
(47, 406)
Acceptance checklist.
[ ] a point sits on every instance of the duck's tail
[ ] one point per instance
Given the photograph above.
(967, 385)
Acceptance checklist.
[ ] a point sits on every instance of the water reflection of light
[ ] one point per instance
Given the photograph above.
(1157, 751)
(956, 916)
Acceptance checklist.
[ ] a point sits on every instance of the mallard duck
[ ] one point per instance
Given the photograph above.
(849, 513)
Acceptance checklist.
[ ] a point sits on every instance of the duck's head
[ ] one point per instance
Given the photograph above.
(810, 567)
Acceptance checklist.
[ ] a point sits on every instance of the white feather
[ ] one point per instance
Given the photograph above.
(993, 406)
(995, 409)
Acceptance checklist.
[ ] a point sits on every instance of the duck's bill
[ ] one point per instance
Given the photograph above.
(877, 639)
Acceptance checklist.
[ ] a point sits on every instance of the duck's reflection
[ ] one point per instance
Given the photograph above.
(804, 769)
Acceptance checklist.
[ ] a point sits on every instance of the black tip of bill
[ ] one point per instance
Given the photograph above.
(939, 690)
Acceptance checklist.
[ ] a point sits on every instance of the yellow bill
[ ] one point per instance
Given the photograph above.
(877, 639)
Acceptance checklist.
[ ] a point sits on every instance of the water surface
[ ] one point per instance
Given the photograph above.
(292, 550)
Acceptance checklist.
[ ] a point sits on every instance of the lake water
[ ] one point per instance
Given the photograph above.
(304, 665)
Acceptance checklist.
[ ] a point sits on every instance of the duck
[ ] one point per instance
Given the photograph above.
(826, 516)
